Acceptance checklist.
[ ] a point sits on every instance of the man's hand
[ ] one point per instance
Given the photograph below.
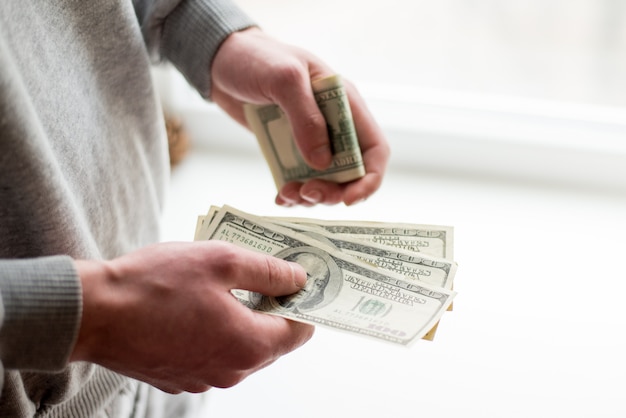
(165, 314)
(251, 67)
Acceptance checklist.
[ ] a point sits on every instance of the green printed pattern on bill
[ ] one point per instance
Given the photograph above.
(344, 291)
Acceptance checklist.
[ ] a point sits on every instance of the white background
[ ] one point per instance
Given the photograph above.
(538, 327)
(531, 172)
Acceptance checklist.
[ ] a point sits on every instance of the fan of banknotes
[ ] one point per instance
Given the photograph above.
(389, 281)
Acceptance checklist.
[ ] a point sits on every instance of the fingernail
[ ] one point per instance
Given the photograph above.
(356, 202)
(313, 196)
(283, 203)
(299, 275)
(321, 156)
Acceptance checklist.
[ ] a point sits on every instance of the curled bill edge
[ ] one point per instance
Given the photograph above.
(417, 333)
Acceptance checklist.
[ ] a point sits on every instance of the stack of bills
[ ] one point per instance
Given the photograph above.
(389, 281)
(274, 134)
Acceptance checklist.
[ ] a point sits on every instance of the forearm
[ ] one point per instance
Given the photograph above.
(188, 33)
(42, 304)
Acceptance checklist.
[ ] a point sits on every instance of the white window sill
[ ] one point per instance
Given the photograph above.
(452, 133)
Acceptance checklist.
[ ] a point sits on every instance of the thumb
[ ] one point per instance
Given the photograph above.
(266, 274)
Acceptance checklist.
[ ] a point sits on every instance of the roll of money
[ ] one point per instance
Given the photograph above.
(274, 133)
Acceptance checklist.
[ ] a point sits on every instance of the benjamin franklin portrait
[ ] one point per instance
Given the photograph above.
(324, 279)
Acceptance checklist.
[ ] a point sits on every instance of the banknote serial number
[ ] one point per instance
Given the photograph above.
(235, 237)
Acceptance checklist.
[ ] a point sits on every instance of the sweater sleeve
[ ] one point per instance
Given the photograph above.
(188, 34)
(40, 312)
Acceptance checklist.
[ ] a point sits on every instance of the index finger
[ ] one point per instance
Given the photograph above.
(296, 98)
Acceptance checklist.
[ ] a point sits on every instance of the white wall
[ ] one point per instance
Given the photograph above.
(469, 134)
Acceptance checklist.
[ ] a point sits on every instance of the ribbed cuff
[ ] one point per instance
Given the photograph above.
(192, 34)
(42, 301)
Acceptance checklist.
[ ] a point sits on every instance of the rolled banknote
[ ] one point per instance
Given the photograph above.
(342, 292)
(274, 134)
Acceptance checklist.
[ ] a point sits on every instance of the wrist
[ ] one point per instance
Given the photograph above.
(94, 277)
(195, 22)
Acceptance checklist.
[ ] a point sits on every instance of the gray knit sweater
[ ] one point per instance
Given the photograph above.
(83, 170)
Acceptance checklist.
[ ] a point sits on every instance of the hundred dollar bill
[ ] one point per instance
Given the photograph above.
(203, 222)
(363, 250)
(400, 255)
(342, 292)
(200, 226)
(435, 240)
(412, 265)
(274, 134)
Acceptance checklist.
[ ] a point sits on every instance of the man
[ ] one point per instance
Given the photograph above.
(91, 309)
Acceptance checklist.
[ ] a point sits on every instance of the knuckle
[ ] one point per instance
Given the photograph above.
(273, 272)
(289, 73)
(314, 122)
(256, 356)
(385, 151)
(224, 261)
(305, 335)
(197, 387)
(311, 132)
(259, 353)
